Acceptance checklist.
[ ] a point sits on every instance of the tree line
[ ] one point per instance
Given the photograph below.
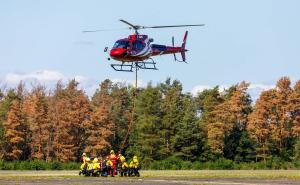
(60, 124)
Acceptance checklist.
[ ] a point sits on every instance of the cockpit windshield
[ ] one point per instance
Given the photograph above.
(121, 44)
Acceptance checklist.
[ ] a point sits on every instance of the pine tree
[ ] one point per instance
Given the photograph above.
(280, 116)
(121, 114)
(172, 109)
(229, 116)
(68, 115)
(145, 140)
(16, 129)
(100, 133)
(188, 142)
(206, 102)
(259, 124)
(294, 118)
(40, 126)
(5, 104)
(240, 108)
(294, 110)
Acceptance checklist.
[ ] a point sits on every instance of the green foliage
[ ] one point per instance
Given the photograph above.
(145, 139)
(188, 141)
(37, 165)
(221, 164)
(297, 150)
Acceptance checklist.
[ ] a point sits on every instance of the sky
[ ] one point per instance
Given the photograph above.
(252, 40)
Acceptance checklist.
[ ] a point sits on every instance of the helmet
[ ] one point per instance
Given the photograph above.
(84, 154)
(112, 152)
(95, 160)
(135, 160)
(122, 158)
(88, 159)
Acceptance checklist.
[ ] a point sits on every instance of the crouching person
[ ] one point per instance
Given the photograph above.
(110, 167)
(134, 167)
(96, 170)
(84, 165)
(124, 166)
(104, 169)
(86, 168)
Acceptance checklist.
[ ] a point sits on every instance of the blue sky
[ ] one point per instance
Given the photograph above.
(257, 41)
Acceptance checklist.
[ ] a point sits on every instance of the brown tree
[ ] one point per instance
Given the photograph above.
(280, 115)
(101, 127)
(40, 125)
(231, 113)
(16, 129)
(294, 110)
(259, 123)
(70, 111)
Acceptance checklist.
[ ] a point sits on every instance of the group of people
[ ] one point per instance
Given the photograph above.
(111, 165)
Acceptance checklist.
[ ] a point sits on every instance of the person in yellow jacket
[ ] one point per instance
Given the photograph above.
(110, 165)
(124, 166)
(85, 167)
(96, 169)
(134, 167)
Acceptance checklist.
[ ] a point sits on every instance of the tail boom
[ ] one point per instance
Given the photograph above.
(163, 50)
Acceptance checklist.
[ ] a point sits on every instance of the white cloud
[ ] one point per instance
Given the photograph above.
(256, 89)
(39, 76)
(50, 77)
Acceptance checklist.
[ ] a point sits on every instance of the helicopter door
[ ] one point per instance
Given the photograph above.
(137, 46)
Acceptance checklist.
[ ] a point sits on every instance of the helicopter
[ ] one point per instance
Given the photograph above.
(137, 50)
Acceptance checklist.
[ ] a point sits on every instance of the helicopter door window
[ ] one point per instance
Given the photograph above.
(137, 45)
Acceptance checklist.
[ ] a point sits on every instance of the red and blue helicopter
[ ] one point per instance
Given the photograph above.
(137, 50)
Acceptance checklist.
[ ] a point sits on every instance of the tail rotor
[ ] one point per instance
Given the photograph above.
(182, 50)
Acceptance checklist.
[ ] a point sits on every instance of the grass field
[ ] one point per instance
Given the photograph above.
(273, 177)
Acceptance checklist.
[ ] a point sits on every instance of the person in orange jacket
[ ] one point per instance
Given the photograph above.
(114, 159)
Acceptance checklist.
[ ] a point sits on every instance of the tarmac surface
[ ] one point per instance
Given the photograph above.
(71, 177)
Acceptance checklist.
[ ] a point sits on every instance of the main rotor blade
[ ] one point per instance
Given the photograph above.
(173, 26)
(133, 26)
(90, 31)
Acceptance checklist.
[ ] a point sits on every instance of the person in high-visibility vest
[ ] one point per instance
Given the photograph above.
(96, 169)
(84, 164)
(110, 168)
(134, 167)
(86, 167)
(124, 166)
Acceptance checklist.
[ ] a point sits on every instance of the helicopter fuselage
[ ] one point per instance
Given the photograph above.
(138, 48)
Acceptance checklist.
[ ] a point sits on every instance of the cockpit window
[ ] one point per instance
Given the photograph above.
(121, 44)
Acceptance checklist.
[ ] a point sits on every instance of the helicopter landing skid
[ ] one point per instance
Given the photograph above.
(129, 66)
